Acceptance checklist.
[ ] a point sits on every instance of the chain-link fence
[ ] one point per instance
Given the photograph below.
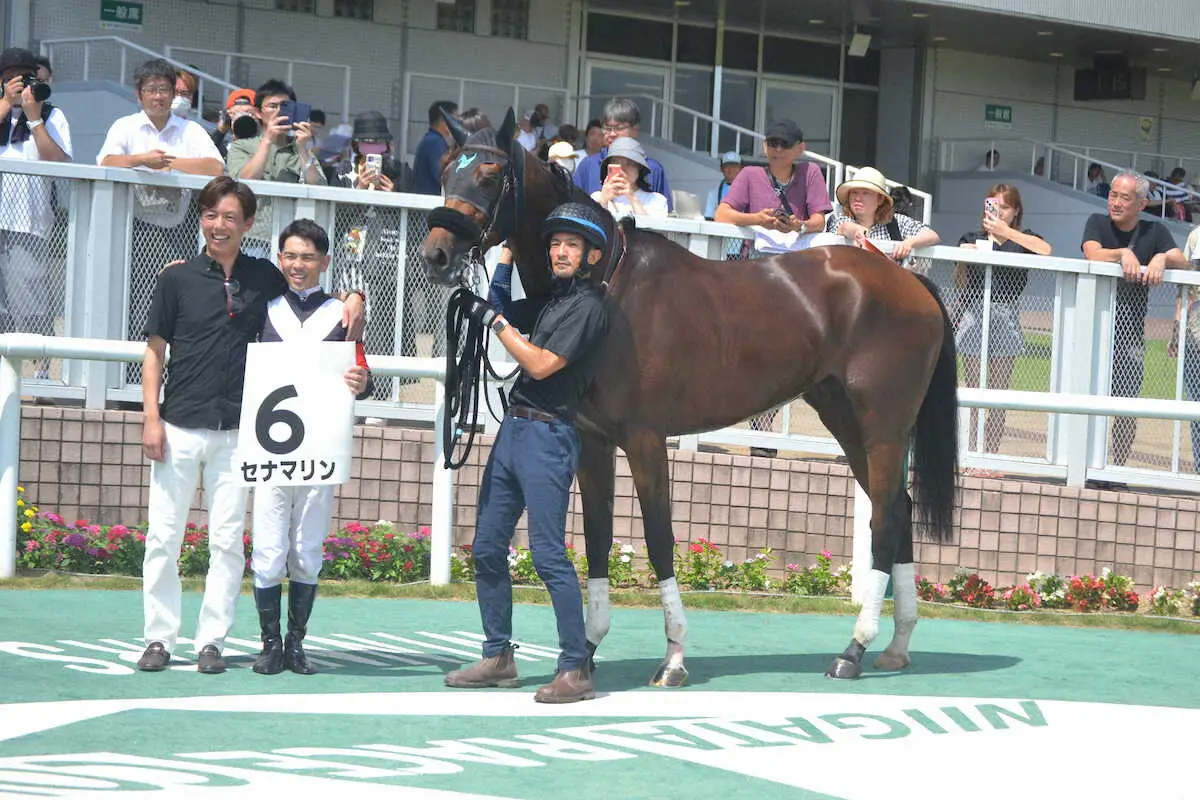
(34, 235)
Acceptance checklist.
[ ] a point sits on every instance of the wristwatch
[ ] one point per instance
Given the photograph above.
(499, 324)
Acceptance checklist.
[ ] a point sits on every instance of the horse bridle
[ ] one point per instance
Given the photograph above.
(501, 217)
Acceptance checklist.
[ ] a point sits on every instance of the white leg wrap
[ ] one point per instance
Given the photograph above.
(904, 596)
(598, 619)
(674, 620)
(867, 626)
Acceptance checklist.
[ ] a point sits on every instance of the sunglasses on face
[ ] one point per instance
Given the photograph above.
(779, 144)
(232, 287)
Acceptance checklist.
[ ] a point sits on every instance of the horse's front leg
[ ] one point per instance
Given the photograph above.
(647, 453)
(595, 475)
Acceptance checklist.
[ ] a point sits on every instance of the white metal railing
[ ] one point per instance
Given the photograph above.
(835, 171)
(494, 98)
(55, 49)
(290, 65)
(1061, 163)
(1078, 313)
(16, 347)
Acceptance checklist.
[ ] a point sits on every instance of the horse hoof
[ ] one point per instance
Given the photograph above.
(843, 669)
(892, 661)
(669, 677)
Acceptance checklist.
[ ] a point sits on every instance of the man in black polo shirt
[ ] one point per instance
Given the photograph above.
(1143, 248)
(208, 309)
(534, 458)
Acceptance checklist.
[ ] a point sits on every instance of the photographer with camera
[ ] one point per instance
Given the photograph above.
(282, 151)
(31, 129)
(237, 121)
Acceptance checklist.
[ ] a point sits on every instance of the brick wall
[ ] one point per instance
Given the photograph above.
(89, 464)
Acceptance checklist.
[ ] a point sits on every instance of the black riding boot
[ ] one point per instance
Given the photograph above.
(268, 601)
(300, 604)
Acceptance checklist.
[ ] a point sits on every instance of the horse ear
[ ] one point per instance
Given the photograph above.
(457, 131)
(507, 129)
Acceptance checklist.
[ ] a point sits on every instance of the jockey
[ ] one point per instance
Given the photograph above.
(533, 460)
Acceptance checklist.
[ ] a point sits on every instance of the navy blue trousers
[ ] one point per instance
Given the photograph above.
(531, 467)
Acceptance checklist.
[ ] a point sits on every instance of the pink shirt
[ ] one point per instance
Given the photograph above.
(751, 191)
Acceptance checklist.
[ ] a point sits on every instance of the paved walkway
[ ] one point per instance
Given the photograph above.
(1006, 707)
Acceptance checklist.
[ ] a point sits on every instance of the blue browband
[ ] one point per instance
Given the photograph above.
(585, 223)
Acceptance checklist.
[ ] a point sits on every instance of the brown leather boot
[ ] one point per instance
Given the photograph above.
(567, 687)
(499, 671)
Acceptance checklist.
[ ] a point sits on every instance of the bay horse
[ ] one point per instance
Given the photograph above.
(697, 345)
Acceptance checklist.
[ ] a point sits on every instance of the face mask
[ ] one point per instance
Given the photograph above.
(181, 106)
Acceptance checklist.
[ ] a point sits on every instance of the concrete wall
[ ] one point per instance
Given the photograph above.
(89, 464)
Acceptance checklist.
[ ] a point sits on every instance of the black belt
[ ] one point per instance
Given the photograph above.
(525, 412)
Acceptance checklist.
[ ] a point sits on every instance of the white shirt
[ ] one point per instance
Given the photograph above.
(28, 207)
(620, 206)
(181, 138)
(528, 140)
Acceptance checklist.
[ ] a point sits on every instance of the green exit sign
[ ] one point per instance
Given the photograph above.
(997, 116)
(120, 14)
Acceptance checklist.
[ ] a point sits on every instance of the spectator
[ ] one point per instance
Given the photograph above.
(473, 120)
(563, 154)
(371, 137)
(291, 522)
(317, 119)
(1143, 248)
(621, 118)
(239, 104)
(593, 140)
(566, 133)
(164, 225)
(427, 162)
(626, 188)
(1191, 356)
(45, 73)
(1001, 231)
(903, 201)
(1155, 200)
(186, 94)
(731, 166)
(30, 130)
(1176, 196)
(528, 136)
(991, 161)
(1097, 184)
(546, 130)
(785, 201)
(282, 151)
(871, 216)
(208, 310)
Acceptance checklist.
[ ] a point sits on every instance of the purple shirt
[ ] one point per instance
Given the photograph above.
(751, 191)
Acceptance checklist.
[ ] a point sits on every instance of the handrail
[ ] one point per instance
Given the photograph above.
(945, 145)
(14, 347)
(347, 83)
(47, 46)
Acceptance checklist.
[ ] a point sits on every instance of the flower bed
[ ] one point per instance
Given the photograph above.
(381, 553)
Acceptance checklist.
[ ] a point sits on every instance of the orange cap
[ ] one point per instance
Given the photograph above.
(240, 97)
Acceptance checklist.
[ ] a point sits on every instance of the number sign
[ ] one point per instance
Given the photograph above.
(297, 414)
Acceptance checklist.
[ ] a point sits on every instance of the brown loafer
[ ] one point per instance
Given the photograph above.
(210, 661)
(567, 687)
(155, 659)
(499, 672)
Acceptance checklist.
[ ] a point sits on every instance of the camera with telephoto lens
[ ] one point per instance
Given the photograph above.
(41, 89)
(244, 127)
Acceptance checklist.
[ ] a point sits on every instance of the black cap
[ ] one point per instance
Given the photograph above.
(371, 126)
(785, 131)
(17, 58)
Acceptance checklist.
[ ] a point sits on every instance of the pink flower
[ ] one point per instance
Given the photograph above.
(32, 545)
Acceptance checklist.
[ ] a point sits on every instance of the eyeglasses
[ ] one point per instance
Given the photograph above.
(232, 287)
(779, 144)
(619, 128)
(158, 91)
(307, 258)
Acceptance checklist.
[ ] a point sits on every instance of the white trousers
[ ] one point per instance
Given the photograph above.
(190, 454)
(290, 526)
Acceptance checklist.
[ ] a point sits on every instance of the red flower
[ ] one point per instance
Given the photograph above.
(696, 548)
(408, 565)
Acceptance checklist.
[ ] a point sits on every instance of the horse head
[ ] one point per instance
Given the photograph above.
(481, 178)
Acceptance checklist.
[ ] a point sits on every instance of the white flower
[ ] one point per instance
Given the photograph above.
(1105, 573)
(625, 559)
(383, 523)
(627, 549)
(728, 564)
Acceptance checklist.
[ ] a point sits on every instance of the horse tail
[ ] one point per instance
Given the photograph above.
(935, 437)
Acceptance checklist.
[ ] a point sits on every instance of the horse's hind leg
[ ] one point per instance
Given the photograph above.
(904, 602)
(647, 453)
(595, 474)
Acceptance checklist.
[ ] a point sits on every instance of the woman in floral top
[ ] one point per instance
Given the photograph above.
(866, 213)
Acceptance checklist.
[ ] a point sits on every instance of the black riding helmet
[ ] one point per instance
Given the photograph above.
(576, 218)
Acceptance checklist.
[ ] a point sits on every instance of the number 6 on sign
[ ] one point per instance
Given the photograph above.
(297, 418)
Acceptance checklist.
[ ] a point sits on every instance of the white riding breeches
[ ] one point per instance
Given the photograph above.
(290, 526)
